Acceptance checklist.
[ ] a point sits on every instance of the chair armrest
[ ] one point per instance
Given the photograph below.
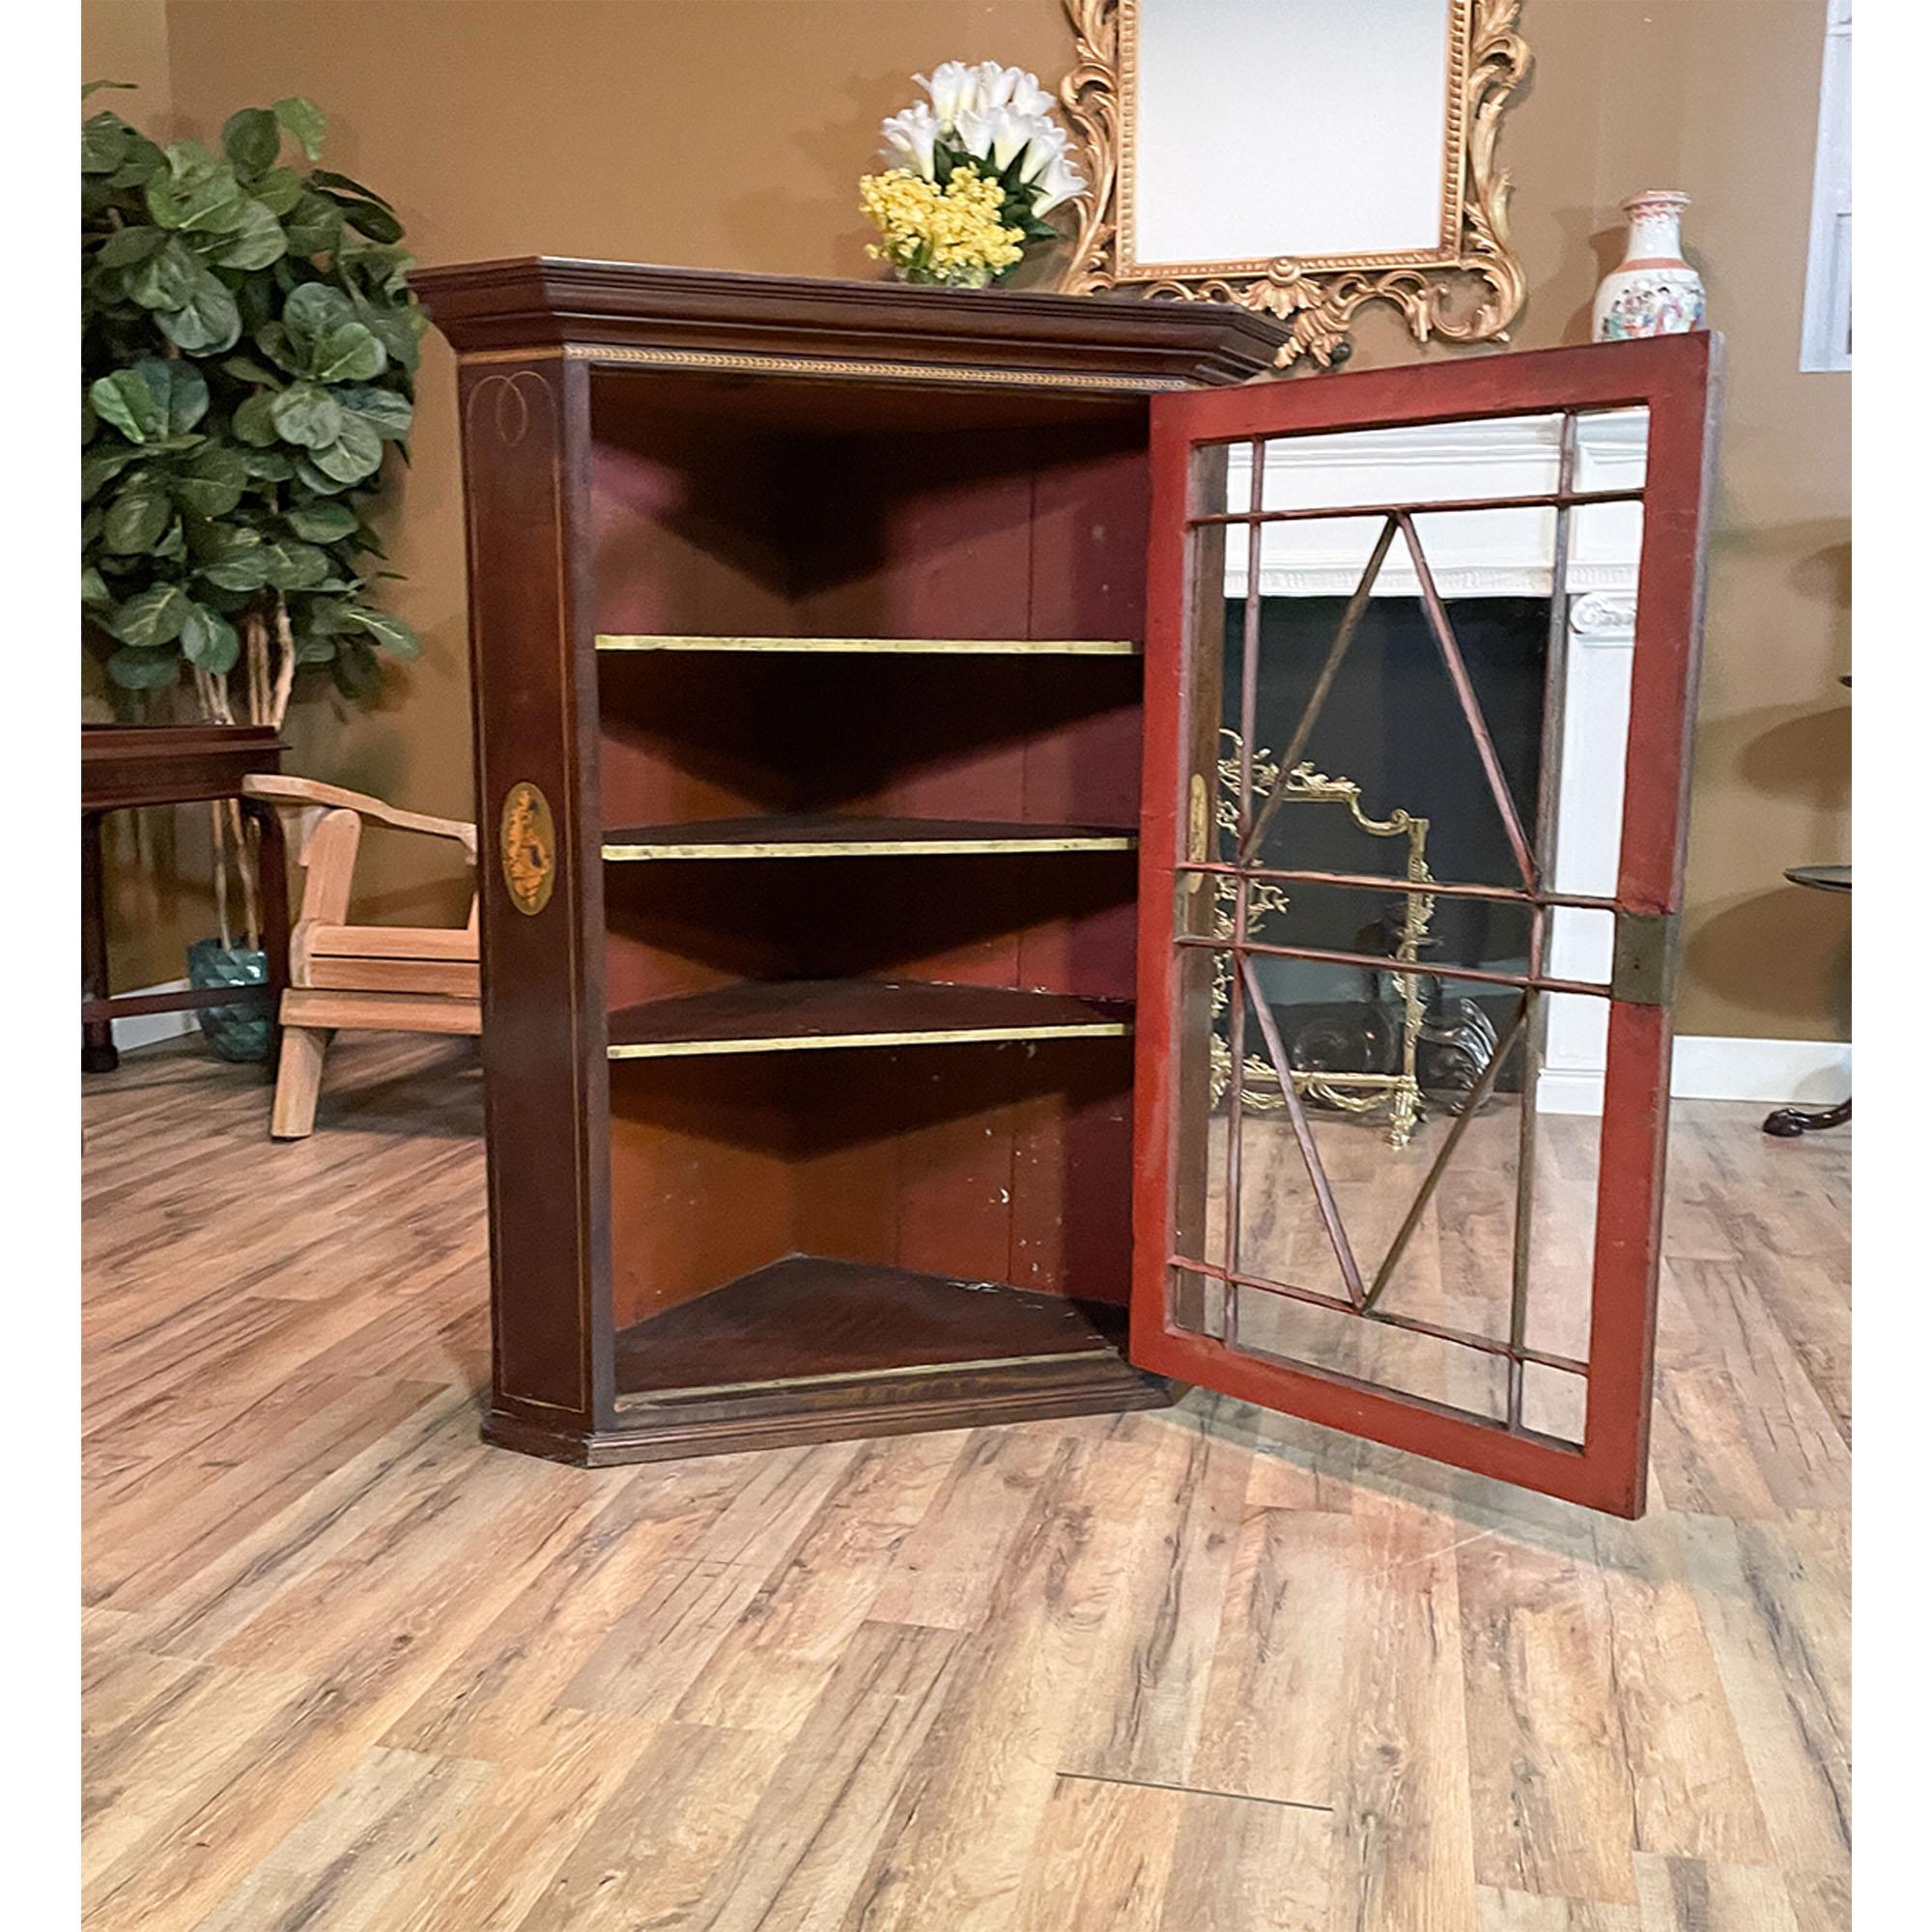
(310, 793)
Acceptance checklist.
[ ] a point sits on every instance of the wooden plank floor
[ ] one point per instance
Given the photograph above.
(1202, 1670)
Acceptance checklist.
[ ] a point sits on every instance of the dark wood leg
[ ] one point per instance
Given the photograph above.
(1788, 1123)
(272, 874)
(96, 1037)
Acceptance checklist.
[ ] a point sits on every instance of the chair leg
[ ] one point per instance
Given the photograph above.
(298, 1082)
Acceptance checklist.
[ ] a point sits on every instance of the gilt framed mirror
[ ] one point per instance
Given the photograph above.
(1300, 158)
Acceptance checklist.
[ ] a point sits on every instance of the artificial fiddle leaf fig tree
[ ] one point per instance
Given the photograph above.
(248, 353)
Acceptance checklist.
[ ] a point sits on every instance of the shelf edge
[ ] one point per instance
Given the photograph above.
(806, 848)
(692, 1049)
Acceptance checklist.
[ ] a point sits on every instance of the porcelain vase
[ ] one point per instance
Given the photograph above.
(1653, 291)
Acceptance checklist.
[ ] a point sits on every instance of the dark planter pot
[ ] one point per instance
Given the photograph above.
(235, 1032)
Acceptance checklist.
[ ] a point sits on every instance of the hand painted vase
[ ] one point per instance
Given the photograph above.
(1653, 291)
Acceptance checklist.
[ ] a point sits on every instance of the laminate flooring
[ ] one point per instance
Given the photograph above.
(1202, 1669)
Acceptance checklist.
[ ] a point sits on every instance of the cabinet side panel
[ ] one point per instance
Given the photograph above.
(545, 1074)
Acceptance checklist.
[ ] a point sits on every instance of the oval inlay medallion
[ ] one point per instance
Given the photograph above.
(527, 844)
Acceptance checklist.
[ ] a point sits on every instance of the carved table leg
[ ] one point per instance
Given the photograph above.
(1788, 1123)
(96, 1037)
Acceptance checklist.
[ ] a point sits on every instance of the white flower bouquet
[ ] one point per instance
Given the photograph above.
(977, 169)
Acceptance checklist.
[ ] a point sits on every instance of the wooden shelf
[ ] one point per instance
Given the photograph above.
(758, 1016)
(806, 1321)
(1091, 647)
(818, 835)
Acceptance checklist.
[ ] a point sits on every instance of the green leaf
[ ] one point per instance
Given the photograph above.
(94, 591)
(354, 454)
(144, 671)
(136, 406)
(348, 185)
(388, 414)
(209, 639)
(278, 191)
(321, 523)
(99, 468)
(269, 465)
(317, 480)
(388, 630)
(88, 87)
(128, 246)
(252, 139)
(239, 570)
(378, 223)
(256, 242)
(144, 162)
(400, 330)
(245, 369)
(307, 415)
(350, 354)
(209, 324)
(137, 517)
(166, 278)
(151, 617)
(305, 121)
(254, 421)
(295, 566)
(103, 143)
(211, 482)
(198, 195)
(355, 670)
(313, 226)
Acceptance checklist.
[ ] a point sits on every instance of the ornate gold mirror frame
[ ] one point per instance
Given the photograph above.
(1316, 295)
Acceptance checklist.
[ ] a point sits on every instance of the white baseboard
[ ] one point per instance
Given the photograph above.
(1714, 1066)
(151, 1029)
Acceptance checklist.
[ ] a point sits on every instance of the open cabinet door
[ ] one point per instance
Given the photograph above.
(1411, 858)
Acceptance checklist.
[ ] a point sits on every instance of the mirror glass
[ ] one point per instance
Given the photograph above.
(1261, 128)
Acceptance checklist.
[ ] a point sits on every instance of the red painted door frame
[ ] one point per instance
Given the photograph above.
(1677, 379)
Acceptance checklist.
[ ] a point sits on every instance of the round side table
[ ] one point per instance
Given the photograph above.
(1788, 1123)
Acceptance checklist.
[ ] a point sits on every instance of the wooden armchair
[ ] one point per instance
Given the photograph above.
(395, 979)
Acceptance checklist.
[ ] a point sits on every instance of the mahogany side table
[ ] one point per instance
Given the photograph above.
(123, 766)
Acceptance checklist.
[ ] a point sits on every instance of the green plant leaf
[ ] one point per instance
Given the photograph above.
(355, 670)
(386, 412)
(144, 671)
(388, 630)
(317, 480)
(200, 189)
(254, 242)
(348, 185)
(103, 143)
(313, 226)
(305, 121)
(378, 223)
(254, 421)
(88, 87)
(269, 465)
(350, 354)
(306, 413)
(136, 406)
(145, 160)
(94, 591)
(211, 480)
(137, 517)
(209, 324)
(295, 566)
(128, 246)
(151, 617)
(321, 523)
(166, 277)
(100, 466)
(400, 331)
(278, 191)
(252, 139)
(354, 454)
(209, 639)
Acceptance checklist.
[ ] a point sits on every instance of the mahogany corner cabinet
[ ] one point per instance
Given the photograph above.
(911, 907)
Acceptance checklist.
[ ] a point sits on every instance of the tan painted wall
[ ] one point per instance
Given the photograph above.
(727, 133)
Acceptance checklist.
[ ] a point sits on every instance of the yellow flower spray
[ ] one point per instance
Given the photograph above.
(952, 235)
